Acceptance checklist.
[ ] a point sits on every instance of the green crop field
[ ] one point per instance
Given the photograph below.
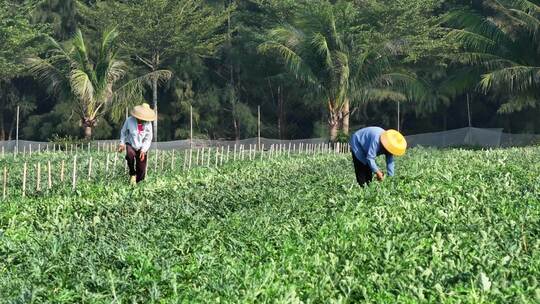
(454, 226)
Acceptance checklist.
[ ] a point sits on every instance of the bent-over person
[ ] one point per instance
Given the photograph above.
(367, 144)
(136, 139)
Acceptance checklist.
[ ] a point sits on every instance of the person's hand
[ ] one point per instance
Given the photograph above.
(380, 176)
(142, 156)
(121, 148)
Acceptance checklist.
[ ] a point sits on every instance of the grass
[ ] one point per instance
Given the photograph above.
(453, 226)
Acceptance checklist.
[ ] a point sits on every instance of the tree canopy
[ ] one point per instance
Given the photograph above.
(314, 68)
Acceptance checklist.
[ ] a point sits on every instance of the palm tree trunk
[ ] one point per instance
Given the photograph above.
(345, 124)
(87, 132)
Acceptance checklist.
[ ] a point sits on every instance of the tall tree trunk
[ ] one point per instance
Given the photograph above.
(154, 101)
(345, 124)
(236, 125)
(334, 120)
(333, 131)
(87, 132)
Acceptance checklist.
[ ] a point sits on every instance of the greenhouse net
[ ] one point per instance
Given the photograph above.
(465, 137)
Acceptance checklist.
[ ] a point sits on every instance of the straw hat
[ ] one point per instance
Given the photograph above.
(394, 142)
(143, 112)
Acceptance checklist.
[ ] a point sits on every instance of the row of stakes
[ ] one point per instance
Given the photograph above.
(197, 157)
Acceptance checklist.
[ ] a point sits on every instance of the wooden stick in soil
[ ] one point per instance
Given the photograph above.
(221, 160)
(74, 173)
(163, 160)
(185, 160)
(172, 161)
(156, 160)
(228, 150)
(62, 171)
(209, 154)
(190, 157)
(38, 178)
(217, 152)
(114, 163)
(198, 155)
(49, 181)
(24, 180)
(4, 190)
(234, 157)
(90, 168)
(107, 164)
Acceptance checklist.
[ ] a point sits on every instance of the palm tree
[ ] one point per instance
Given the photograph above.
(97, 82)
(500, 39)
(322, 49)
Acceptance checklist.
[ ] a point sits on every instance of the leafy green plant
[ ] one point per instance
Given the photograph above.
(452, 226)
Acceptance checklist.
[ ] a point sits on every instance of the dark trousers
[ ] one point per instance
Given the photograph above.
(135, 165)
(364, 176)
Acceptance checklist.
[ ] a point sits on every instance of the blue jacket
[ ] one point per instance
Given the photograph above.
(366, 146)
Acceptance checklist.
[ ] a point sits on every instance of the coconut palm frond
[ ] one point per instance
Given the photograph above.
(473, 41)
(518, 103)
(489, 61)
(321, 45)
(82, 86)
(512, 79)
(47, 73)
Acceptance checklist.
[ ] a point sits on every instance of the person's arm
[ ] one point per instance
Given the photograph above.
(371, 155)
(390, 165)
(123, 133)
(147, 140)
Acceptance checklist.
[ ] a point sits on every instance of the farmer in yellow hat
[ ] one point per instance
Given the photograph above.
(135, 139)
(370, 142)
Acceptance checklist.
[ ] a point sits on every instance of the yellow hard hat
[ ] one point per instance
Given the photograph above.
(394, 142)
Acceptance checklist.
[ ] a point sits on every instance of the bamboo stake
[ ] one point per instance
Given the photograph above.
(90, 168)
(172, 161)
(228, 150)
(234, 158)
(74, 173)
(4, 191)
(221, 159)
(217, 152)
(62, 171)
(24, 181)
(156, 160)
(114, 163)
(185, 160)
(107, 164)
(190, 156)
(49, 185)
(38, 177)
(163, 160)
(198, 155)
(208, 160)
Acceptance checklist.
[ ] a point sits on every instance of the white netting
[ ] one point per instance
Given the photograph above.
(471, 137)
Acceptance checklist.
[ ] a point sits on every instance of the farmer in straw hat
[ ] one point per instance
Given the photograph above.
(370, 142)
(135, 139)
